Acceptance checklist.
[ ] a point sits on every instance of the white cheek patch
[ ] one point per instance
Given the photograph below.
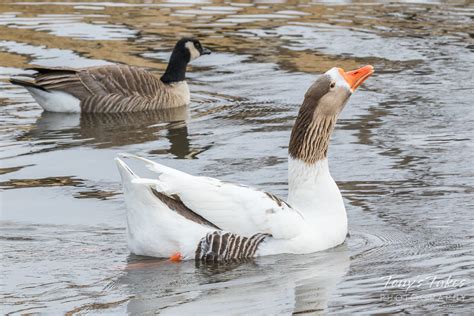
(338, 78)
(192, 50)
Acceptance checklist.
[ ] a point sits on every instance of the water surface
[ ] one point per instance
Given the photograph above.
(402, 154)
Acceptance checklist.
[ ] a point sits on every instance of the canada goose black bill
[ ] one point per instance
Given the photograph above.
(114, 88)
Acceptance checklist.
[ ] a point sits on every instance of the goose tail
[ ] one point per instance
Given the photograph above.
(126, 173)
(158, 223)
(50, 100)
(27, 84)
(155, 167)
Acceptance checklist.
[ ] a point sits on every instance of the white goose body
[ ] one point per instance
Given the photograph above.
(313, 192)
(181, 216)
(154, 228)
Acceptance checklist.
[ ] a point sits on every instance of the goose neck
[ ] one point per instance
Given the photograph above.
(176, 69)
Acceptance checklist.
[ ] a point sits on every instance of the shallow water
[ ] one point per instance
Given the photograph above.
(402, 155)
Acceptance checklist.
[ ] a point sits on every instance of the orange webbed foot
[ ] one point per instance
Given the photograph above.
(176, 257)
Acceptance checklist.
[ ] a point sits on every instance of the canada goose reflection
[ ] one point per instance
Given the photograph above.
(272, 285)
(119, 129)
(104, 130)
(177, 135)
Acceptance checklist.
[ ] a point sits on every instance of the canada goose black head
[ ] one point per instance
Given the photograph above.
(185, 50)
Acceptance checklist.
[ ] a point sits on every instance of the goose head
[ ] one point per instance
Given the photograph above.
(193, 46)
(323, 102)
(188, 49)
(185, 50)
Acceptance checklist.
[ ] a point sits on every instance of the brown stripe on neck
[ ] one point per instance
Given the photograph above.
(315, 122)
(310, 138)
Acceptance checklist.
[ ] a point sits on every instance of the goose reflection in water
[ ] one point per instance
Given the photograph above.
(105, 130)
(272, 285)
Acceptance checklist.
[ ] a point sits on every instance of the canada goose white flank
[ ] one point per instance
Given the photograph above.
(181, 216)
(114, 88)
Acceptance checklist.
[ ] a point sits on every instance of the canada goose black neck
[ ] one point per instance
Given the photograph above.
(176, 70)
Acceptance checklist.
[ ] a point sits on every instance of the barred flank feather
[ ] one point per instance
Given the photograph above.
(222, 246)
(111, 88)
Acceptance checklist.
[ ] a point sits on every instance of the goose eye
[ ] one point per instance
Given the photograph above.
(333, 84)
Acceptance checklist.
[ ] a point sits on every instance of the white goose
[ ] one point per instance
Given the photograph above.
(181, 216)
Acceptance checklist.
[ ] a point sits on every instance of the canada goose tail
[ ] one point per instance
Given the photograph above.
(27, 84)
(53, 71)
(50, 100)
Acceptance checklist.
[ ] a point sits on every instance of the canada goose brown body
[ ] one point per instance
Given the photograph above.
(114, 88)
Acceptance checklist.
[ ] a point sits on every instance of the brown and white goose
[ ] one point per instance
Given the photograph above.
(114, 88)
(182, 216)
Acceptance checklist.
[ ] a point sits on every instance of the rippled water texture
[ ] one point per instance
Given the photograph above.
(402, 155)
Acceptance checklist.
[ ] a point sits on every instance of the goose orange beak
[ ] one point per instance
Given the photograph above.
(356, 77)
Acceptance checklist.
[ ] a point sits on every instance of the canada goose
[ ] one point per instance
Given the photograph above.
(181, 216)
(114, 88)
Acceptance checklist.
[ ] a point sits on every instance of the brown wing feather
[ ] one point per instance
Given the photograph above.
(120, 79)
(111, 103)
(175, 204)
(99, 81)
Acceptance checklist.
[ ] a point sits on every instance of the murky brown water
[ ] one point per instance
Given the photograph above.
(402, 154)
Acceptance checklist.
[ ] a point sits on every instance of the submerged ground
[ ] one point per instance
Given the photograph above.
(402, 155)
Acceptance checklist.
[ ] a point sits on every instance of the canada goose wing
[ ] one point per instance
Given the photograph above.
(235, 208)
(102, 80)
(110, 103)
